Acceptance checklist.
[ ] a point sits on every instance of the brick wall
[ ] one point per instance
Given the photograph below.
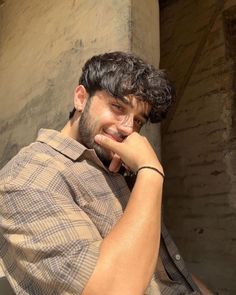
(199, 139)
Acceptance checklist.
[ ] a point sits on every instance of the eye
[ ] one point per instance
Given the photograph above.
(117, 107)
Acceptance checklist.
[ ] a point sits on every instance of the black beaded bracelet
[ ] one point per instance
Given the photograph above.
(153, 168)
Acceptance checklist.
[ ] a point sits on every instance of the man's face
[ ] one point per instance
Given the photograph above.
(114, 118)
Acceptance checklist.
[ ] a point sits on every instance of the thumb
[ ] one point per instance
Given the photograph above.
(107, 143)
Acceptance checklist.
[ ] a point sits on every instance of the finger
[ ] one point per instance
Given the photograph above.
(115, 163)
(107, 143)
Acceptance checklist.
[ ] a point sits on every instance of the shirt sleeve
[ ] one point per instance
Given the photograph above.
(48, 244)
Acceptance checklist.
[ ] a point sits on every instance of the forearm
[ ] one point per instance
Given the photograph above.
(129, 253)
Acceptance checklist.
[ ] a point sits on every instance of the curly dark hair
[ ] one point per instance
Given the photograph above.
(122, 74)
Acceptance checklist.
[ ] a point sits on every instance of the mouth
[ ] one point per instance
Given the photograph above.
(113, 135)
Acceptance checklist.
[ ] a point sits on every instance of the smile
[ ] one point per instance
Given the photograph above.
(113, 136)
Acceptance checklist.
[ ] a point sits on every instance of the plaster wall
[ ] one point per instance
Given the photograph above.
(43, 47)
(199, 140)
(145, 42)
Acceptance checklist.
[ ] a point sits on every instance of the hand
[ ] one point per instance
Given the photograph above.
(115, 164)
(135, 151)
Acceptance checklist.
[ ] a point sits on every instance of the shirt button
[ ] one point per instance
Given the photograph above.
(177, 257)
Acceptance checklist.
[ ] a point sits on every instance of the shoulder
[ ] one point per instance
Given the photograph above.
(34, 166)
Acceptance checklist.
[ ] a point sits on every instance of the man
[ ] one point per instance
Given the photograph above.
(69, 223)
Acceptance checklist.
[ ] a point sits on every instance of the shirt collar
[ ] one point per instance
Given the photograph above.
(67, 146)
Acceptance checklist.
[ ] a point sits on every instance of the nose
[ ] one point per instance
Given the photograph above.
(126, 125)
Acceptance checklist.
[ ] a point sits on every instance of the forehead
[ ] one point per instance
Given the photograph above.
(136, 105)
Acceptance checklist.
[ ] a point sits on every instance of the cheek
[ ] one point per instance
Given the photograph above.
(106, 118)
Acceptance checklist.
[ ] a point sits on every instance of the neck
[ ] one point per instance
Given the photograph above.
(71, 127)
(70, 130)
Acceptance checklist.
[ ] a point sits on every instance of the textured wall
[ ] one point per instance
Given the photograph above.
(43, 45)
(199, 140)
(145, 42)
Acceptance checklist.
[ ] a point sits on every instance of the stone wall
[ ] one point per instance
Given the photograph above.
(199, 142)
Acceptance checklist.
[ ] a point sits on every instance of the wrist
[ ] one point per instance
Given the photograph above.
(150, 179)
(150, 169)
(151, 166)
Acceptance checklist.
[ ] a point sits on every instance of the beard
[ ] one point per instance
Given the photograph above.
(87, 133)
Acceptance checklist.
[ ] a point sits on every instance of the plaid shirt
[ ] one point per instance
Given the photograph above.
(58, 202)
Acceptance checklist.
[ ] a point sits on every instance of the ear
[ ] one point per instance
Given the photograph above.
(80, 98)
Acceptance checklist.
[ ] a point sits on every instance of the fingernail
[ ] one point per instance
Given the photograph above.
(98, 138)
